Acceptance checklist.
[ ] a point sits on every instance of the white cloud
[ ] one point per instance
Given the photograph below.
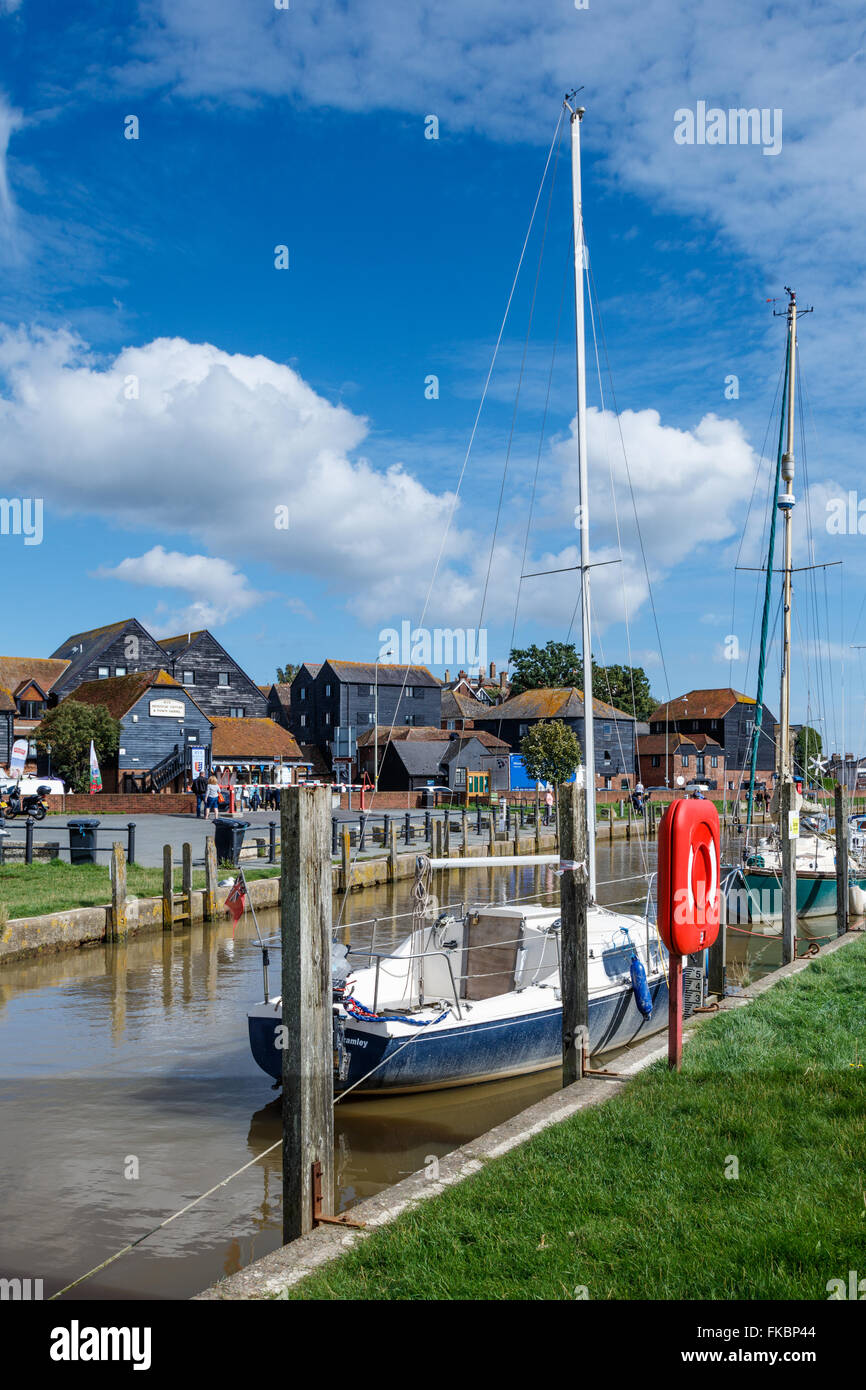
(220, 592)
(10, 121)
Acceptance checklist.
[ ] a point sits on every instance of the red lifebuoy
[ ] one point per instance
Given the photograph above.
(688, 876)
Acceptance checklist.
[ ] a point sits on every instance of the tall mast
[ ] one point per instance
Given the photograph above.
(786, 506)
(583, 495)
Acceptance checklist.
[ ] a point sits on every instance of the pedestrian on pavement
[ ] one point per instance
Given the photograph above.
(212, 797)
(199, 786)
(548, 805)
(255, 799)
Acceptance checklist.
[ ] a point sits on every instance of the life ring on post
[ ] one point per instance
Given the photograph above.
(688, 876)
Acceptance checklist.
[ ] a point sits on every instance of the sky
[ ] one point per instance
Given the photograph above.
(275, 443)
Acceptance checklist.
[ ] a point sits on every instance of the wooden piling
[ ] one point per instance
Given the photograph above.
(491, 833)
(465, 832)
(117, 916)
(347, 859)
(307, 1028)
(841, 861)
(574, 901)
(392, 852)
(186, 879)
(210, 879)
(447, 834)
(167, 888)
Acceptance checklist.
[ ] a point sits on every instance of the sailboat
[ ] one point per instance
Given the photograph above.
(477, 997)
(759, 877)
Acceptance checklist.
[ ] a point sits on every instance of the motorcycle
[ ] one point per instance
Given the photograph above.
(12, 803)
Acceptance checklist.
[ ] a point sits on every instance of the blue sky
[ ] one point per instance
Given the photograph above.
(151, 261)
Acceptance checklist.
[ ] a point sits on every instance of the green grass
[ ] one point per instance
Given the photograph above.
(630, 1200)
(29, 890)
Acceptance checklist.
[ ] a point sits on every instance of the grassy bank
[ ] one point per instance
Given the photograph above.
(632, 1199)
(29, 890)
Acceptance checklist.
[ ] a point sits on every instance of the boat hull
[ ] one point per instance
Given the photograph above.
(469, 1052)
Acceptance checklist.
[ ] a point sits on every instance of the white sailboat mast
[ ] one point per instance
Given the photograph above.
(583, 494)
(786, 506)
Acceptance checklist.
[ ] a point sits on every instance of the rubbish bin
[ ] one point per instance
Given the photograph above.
(82, 840)
(228, 836)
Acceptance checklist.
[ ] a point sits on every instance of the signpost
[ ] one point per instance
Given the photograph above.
(688, 898)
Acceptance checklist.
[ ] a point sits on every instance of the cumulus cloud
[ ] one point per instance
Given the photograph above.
(220, 592)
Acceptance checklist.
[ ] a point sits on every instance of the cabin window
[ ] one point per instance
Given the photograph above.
(187, 677)
(120, 670)
(102, 673)
(237, 712)
(223, 678)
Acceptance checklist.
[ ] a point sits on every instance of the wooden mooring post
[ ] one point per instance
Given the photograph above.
(392, 852)
(307, 1022)
(347, 859)
(117, 916)
(841, 861)
(167, 888)
(574, 901)
(210, 879)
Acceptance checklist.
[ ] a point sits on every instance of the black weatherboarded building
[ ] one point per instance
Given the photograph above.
(334, 702)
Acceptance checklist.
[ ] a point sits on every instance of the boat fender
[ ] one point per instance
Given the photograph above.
(755, 861)
(642, 995)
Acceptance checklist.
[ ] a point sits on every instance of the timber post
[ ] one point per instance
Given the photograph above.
(465, 832)
(841, 862)
(347, 859)
(574, 902)
(186, 879)
(210, 879)
(392, 852)
(117, 917)
(307, 1023)
(167, 888)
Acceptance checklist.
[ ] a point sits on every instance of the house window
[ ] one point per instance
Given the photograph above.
(409, 692)
(655, 760)
(606, 730)
(102, 673)
(750, 724)
(120, 670)
(685, 759)
(410, 718)
(237, 712)
(327, 690)
(714, 761)
(370, 717)
(223, 678)
(327, 716)
(303, 692)
(696, 724)
(460, 776)
(371, 689)
(606, 756)
(187, 677)
(31, 709)
(303, 721)
(523, 730)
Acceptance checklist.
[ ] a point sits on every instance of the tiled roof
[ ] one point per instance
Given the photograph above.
(6, 701)
(120, 693)
(311, 753)
(456, 705)
(421, 759)
(701, 704)
(367, 673)
(45, 670)
(655, 743)
(184, 639)
(402, 733)
(79, 638)
(551, 704)
(251, 738)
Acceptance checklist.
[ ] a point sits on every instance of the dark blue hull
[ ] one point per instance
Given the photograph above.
(470, 1052)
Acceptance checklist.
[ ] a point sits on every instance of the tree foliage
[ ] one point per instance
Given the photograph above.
(66, 732)
(286, 674)
(557, 665)
(550, 751)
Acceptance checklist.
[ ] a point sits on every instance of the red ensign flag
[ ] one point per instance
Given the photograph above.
(236, 900)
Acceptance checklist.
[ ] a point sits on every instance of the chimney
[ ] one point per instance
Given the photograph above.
(447, 676)
(493, 670)
(503, 680)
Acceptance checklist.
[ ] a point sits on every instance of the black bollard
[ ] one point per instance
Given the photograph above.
(272, 845)
(130, 842)
(28, 840)
(407, 829)
(335, 835)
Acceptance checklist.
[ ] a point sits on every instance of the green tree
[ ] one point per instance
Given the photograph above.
(286, 674)
(807, 745)
(550, 751)
(557, 665)
(66, 732)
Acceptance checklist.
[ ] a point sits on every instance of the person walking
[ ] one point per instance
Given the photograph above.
(548, 805)
(212, 797)
(256, 798)
(199, 786)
